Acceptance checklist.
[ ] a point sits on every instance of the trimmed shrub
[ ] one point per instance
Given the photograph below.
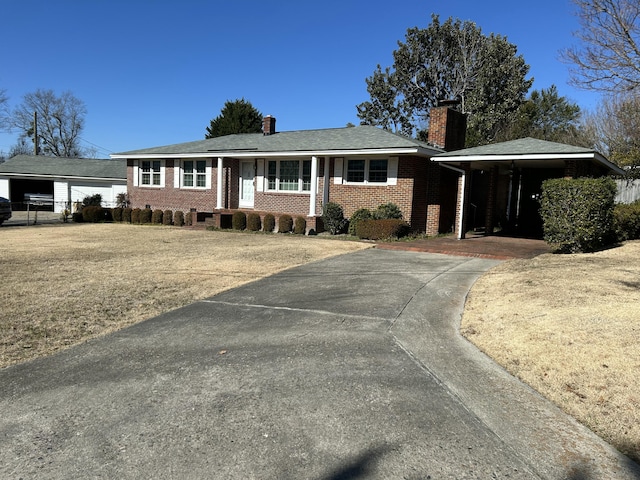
(285, 223)
(178, 218)
(333, 218)
(300, 226)
(167, 217)
(387, 228)
(117, 214)
(269, 223)
(77, 217)
(626, 221)
(93, 214)
(145, 215)
(126, 215)
(358, 215)
(253, 222)
(135, 215)
(188, 218)
(156, 216)
(387, 210)
(92, 200)
(239, 221)
(577, 214)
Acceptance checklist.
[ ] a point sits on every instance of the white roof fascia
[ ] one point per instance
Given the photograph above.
(260, 154)
(62, 177)
(533, 156)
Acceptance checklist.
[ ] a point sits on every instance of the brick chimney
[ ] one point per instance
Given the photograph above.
(268, 125)
(447, 126)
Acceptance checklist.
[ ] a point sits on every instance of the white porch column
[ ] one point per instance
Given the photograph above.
(314, 186)
(219, 185)
(327, 179)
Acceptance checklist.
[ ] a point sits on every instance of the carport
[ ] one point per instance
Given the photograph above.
(62, 180)
(504, 181)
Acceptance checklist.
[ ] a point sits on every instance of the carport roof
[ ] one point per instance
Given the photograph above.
(525, 152)
(43, 166)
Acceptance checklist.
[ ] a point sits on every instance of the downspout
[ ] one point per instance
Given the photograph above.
(462, 197)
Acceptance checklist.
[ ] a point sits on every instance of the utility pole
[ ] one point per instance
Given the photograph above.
(35, 133)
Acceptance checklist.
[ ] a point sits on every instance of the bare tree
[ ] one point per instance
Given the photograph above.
(60, 119)
(608, 58)
(615, 128)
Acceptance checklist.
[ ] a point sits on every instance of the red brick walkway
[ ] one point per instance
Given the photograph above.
(493, 246)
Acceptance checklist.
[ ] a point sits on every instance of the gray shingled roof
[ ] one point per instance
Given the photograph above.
(65, 167)
(348, 138)
(522, 146)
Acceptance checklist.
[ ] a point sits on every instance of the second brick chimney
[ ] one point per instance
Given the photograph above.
(268, 125)
(447, 126)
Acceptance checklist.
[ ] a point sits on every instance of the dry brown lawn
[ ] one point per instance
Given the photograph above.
(569, 326)
(63, 284)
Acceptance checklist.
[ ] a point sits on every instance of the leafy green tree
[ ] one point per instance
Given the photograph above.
(237, 116)
(548, 116)
(450, 60)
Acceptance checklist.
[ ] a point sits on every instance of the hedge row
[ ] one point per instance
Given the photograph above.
(93, 214)
(253, 223)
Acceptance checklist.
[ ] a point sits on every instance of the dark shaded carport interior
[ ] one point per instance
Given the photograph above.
(18, 187)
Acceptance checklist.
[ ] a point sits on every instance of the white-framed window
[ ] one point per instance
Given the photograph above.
(289, 175)
(151, 173)
(361, 170)
(194, 173)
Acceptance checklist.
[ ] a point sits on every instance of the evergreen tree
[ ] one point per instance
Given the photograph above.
(237, 116)
(445, 61)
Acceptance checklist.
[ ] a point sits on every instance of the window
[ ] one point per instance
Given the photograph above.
(289, 175)
(367, 171)
(150, 173)
(194, 173)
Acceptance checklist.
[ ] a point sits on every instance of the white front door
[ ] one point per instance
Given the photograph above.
(247, 175)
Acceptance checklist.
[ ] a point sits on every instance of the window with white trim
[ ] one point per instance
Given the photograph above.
(367, 170)
(194, 173)
(151, 173)
(289, 175)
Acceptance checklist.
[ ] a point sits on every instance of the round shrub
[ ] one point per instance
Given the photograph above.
(77, 217)
(188, 218)
(117, 214)
(253, 222)
(126, 215)
(626, 221)
(239, 221)
(269, 223)
(300, 226)
(167, 217)
(145, 215)
(93, 214)
(178, 218)
(358, 215)
(387, 210)
(333, 218)
(285, 223)
(135, 215)
(156, 217)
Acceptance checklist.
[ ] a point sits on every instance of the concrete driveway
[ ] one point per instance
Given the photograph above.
(350, 367)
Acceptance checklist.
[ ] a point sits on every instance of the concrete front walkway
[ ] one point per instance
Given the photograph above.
(497, 247)
(350, 367)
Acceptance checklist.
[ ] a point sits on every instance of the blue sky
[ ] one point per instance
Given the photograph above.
(155, 72)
